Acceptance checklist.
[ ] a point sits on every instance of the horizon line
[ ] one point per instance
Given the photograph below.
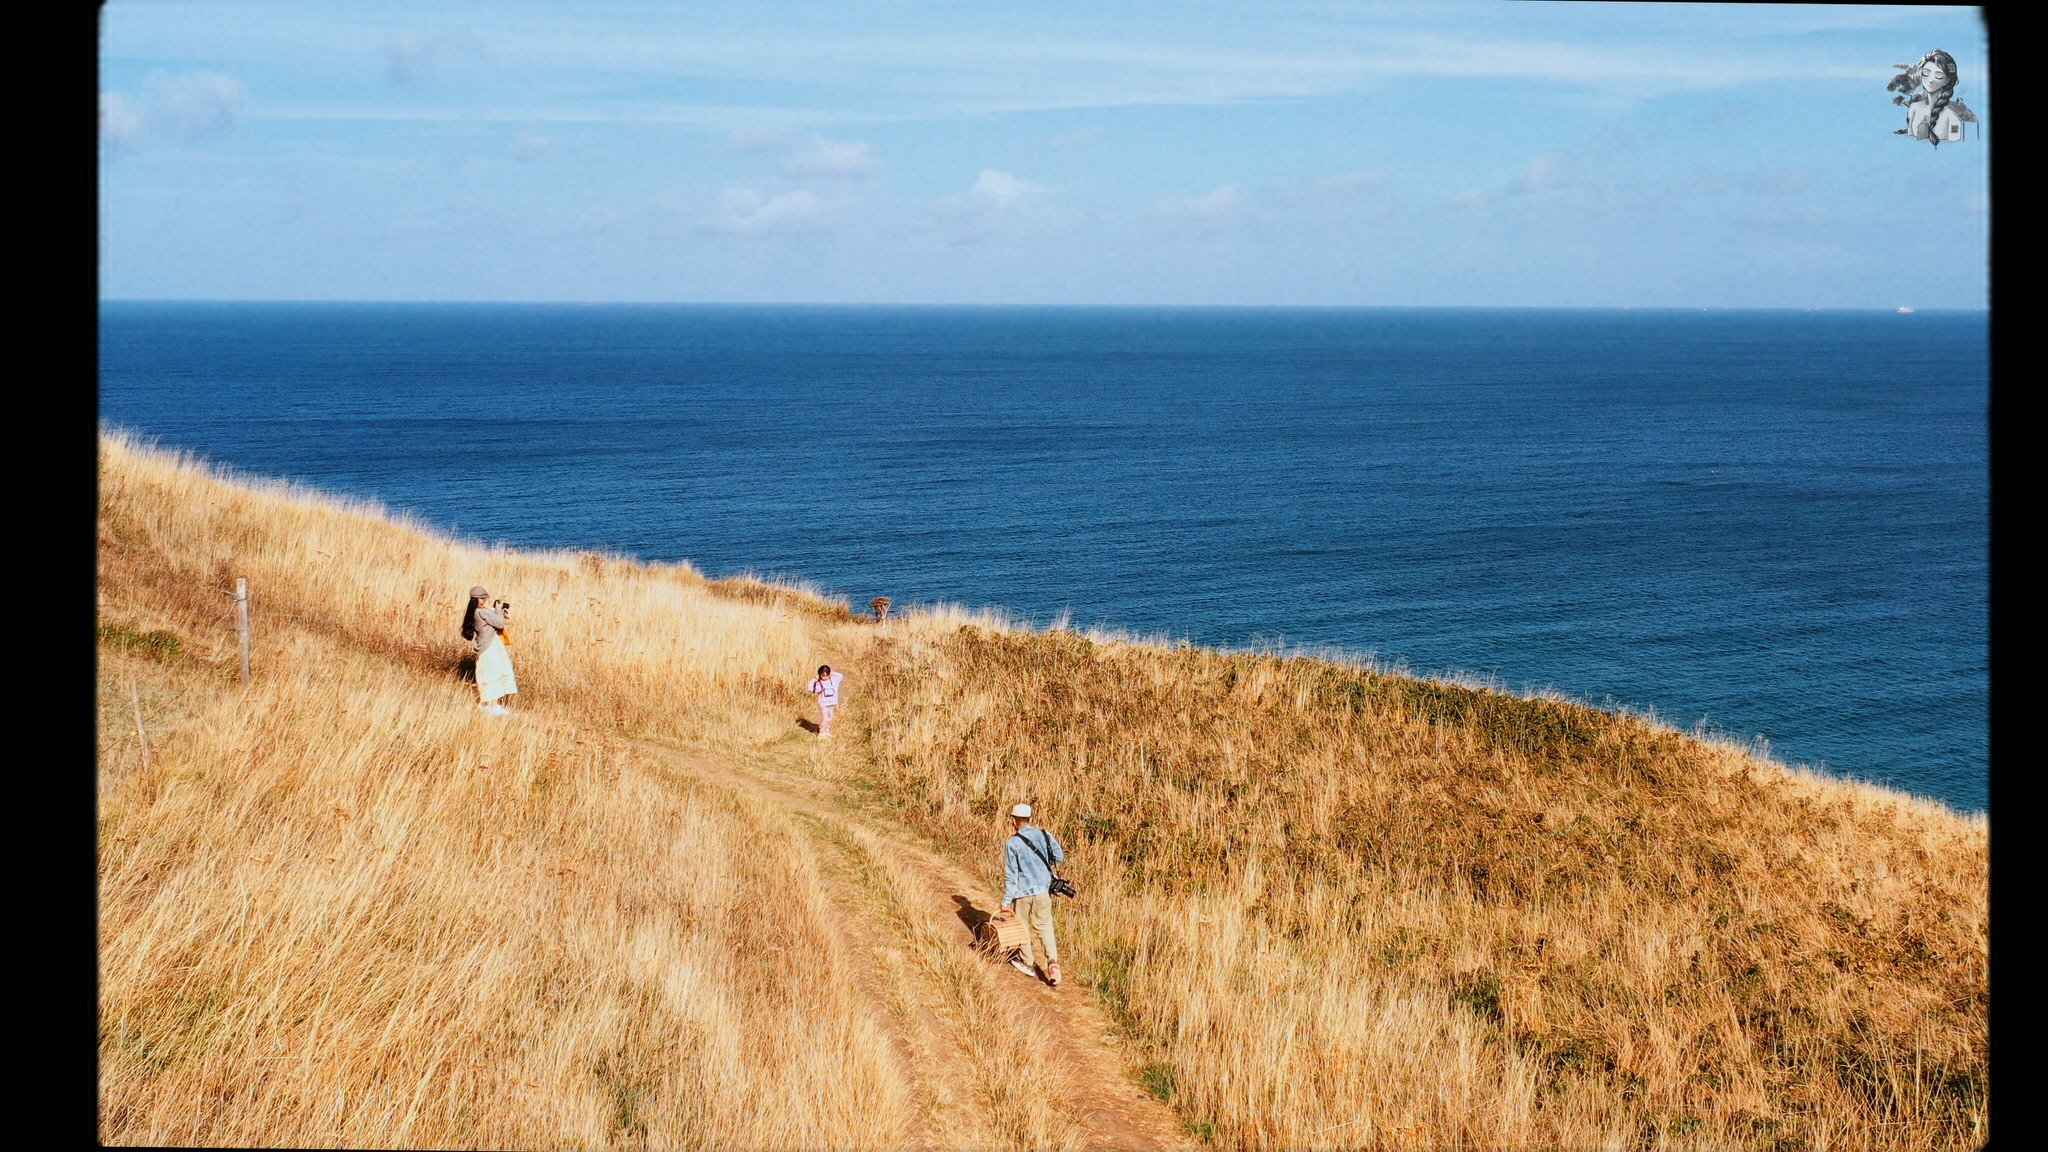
(965, 304)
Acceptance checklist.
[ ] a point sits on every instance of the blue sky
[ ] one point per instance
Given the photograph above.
(1058, 153)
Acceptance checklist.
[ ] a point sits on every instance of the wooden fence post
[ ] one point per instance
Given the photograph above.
(242, 623)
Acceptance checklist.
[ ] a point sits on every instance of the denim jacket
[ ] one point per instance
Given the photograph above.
(1024, 874)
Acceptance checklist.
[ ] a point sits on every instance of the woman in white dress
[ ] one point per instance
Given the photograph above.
(481, 625)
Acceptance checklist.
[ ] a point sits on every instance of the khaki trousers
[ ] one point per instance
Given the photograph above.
(1036, 912)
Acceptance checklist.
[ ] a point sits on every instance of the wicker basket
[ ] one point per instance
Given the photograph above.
(1003, 932)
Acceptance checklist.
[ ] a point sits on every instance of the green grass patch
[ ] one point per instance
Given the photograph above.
(155, 644)
(1479, 991)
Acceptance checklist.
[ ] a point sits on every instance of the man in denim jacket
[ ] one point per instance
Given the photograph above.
(1027, 884)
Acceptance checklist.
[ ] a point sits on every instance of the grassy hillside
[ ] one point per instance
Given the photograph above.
(342, 908)
(1339, 907)
(1326, 907)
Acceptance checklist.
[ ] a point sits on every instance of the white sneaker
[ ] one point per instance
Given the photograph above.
(1021, 966)
(498, 710)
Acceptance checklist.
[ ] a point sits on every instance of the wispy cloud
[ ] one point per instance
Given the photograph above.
(1570, 167)
(935, 76)
(1002, 190)
(413, 57)
(1208, 213)
(1545, 173)
(1077, 140)
(754, 138)
(120, 121)
(184, 107)
(530, 145)
(996, 201)
(821, 157)
(1348, 187)
(745, 212)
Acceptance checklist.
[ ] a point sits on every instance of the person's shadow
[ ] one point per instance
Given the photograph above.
(971, 916)
(465, 669)
(810, 726)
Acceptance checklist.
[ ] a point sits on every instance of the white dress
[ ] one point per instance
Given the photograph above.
(494, 679)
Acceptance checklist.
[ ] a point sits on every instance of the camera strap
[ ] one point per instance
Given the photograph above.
(1035, 852)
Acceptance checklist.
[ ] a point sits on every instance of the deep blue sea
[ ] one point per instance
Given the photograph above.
(1773, 522)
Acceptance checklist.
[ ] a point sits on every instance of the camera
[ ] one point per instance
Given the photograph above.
(503, 605)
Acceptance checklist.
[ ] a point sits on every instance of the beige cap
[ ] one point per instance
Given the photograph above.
(1021, 810)
(478, 593)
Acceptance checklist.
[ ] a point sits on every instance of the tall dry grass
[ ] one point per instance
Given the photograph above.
(1344, 909)
(1332, 908)
(652, 647)
(343, 908)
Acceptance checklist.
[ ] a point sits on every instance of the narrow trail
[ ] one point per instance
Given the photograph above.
(910, 923)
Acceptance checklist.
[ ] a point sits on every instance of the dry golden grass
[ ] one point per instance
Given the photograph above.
(1330, 908)
(343, 908)
(343, 911)
(653, 647)
(1345, 909)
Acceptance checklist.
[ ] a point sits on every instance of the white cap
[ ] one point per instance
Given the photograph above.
(1023, 810)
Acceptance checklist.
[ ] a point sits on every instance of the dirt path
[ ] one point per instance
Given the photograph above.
(922, 909)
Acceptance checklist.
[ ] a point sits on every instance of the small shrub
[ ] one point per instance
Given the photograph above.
(1112, 982)
(1479, 991)
(1158, 1080)
(155, 644)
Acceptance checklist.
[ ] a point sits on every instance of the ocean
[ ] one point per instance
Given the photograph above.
(1775, 525)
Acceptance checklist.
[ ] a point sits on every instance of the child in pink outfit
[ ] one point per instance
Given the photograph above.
(826, 689)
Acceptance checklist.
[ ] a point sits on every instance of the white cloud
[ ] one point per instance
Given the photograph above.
(120, 122)
(1001, 190)
(1209, 211)
(1125, 66)
(822, 157)
(191, 104)
(1469, 198)
(184, 106)
(1585, 161)
(745, 212)
(1544, 173)
(997, 201)
(531, 145)
(1131, 61)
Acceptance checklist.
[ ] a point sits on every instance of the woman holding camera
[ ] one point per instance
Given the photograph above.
(482, 625)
